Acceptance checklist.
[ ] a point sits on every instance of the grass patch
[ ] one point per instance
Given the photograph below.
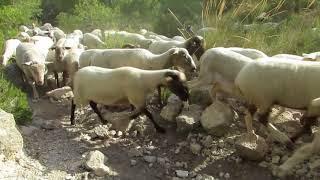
(13, 100)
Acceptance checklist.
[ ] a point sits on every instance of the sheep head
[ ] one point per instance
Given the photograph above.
(175, 81)
(195, 45)
(182, 59)
(37, 71)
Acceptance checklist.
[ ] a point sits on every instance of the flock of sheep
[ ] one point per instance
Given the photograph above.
(98, 75)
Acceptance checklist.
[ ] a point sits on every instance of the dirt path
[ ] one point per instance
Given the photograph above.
(60, 147)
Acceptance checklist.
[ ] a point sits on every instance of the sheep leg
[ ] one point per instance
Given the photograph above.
(65, 76)
(35, 92)
(273, 131)
(56, 76)
(159, 94)
(95, 109)
(306, 128)
(73, 107)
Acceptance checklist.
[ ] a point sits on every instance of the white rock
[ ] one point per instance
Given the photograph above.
(133, 162)
(275, 159)
(189, 118)
(315, 164)
(150, 159)
(195, 148)
(217, 118)
(27, 130)
(172, 109)
(182, 174)
(95, 162)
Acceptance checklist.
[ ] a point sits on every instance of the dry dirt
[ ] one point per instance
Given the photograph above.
(59, 147)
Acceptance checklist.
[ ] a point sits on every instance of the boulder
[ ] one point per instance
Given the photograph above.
(200, 96)
(95, 162)
(217, 118)
(189, 118)
(172, 109)
(251, 146)
(11, 142)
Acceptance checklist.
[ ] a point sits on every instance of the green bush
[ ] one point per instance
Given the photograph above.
(12, 15)
(14, 101)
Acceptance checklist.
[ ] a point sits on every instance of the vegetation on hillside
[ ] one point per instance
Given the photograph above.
(273, 26)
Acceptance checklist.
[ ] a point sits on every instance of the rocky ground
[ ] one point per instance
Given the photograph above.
(53, 149)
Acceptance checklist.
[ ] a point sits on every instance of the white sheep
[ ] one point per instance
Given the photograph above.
(138, 58)
(23, 37)
(32, 62)
(10, 47)
(68, 65)
(178, 38)
(98, 33)
(42, 43)
(219, 65)
(57, 34)
(289, 56)
(92, 41)
(76, 35)
(125, 85)
(206, 31)
(288, 83)
(315, 56)
(130, 38)
(249, 52)
(23, 28)
(194, 45)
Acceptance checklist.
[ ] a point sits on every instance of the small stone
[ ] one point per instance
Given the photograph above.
(49, 125)
(227, 176)
(208, 141)
(189, 118)
(161, 161)
(134, 133)
(195, 148)
(150, 159)
(177, 151)
(119, 133)
(150, 165)
(221, 174)
(84, 137)
(182, 174)
(251, 147)
(133, 162)
(172, 109)
(315, 164)
(217, 118)
(179, 164)
(112, 133)
(134, 152)
(263, 164)
(95, 162)
(100, 131)
(275, 159)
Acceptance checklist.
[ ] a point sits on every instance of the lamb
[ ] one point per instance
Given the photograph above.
(10, 47)
(42, 43)
(76, 35)
(125, 85)
(282, 76)
(251, 53)
(68, 65)
(32, 62)
(194, 45)
(92, 41)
